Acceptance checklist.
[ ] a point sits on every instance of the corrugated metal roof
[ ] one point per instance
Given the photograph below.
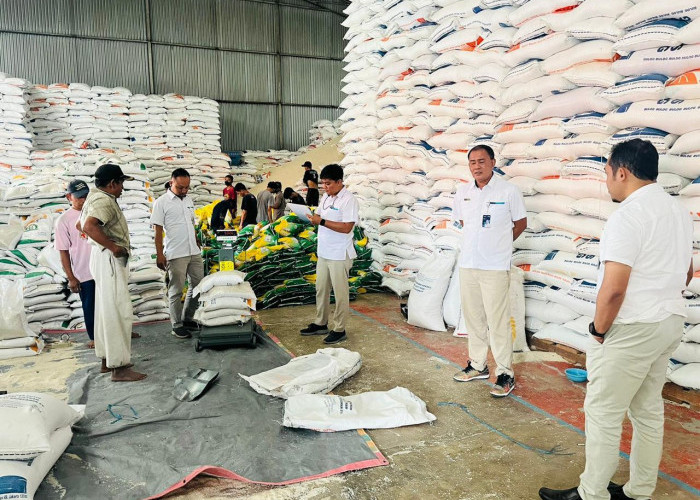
(113, 64)
(297, 122)
(189, 22)
(311, 33)
(186, 71)
(248, 126)
(247, 25)
(311, 81)
(248, 77)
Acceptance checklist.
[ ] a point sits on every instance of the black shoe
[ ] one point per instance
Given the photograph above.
(616, 492)
(191, 325)
(335, 337)
(504, 386)
(314, 329)
(180, 332)
(571, 494)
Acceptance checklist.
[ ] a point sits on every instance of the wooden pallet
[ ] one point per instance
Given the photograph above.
(672, 392)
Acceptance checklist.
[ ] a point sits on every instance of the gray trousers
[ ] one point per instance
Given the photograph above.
(333, 274)
(192, 269)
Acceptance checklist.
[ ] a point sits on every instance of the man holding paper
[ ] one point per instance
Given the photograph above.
(336, 216)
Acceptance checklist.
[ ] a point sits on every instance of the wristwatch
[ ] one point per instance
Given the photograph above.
(592, 331)
(323, 222)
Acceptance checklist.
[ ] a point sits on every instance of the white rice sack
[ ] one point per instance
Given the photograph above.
(317, 373)
(13, 320)
(548, 241)
(686, 376)
(596, 28)
(452, 304)
(531, 10)
(573, 102)
(530, 132)
(692, 332)
(539, 48)
(549, 203)
(575, 187)
(692, 309)
(591, 166)
(670, 61)
(538, 89)
(661, 140)
(561, 21)
(518, 112)
(685, 86)
(692, 206)
(531, 257)
(566, 336)
(29, 419)
(674, 116)
(574, 265)
(648, 11)
(549, 312)
(689, 34)
(535, 168)
(657, 34)
(428, 294)
(525, 184)
(571, 148)
(242, 290)
(583, 53)
(692, 189)
(222, 278)
(686, 143)
(584, 289)
(596, 208)
(551, 278)
(523, 73)
(583, 306)
(687, 352)
(21, 478)
(640, 88)
(672, 183)
(10, 233)
(371, 410)
(595, 74)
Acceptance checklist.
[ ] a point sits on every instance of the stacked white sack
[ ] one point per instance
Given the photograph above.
(48, 113)
(225, 298)
(322, 131)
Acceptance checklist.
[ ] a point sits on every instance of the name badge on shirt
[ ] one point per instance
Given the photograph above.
(486, 221)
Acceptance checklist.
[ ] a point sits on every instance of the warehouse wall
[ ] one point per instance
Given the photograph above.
(274, 65)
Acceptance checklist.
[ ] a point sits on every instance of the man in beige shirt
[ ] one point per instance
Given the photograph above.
(103, 222)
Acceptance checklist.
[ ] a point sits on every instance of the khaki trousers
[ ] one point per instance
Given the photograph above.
(333, 274)
(113, 311)
(626, 375)
(486, 309)
(191, 268)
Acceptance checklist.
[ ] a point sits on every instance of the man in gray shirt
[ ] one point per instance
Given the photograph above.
(265, 199)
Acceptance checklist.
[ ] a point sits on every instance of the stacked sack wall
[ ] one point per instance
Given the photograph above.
(551, 86)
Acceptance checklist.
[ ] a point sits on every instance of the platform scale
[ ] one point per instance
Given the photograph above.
(236, 335)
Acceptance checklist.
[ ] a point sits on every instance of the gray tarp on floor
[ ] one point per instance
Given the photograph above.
(150, 440)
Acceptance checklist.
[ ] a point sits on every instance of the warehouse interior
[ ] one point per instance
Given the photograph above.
(397, 93)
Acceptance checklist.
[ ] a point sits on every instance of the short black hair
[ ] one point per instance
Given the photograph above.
(638, 156)
(333, 172)
(288, 192)
(180, 172)
(229, 176)
(239, 187)
(271, 184)
(483, 147)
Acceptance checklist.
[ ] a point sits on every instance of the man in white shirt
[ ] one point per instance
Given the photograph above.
(492, 214)
(336, 216)
(181, 258)
(646, 263)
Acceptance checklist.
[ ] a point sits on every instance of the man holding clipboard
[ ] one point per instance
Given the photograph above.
(336, 216)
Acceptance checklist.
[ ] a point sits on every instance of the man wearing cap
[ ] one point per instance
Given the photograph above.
(310, 180)
(182, 258)
(103, 222)
(74, 249)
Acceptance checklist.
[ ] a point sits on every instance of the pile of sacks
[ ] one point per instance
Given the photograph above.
(16, 338)
(551, 87)
(225, 298)
(36, 431)
(322, 131)
(279, 261)
(304, 381)
(15, 129)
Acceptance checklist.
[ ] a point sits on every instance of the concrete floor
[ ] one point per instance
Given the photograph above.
(479, 447)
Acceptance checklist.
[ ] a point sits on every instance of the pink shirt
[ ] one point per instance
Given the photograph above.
(69, 238)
